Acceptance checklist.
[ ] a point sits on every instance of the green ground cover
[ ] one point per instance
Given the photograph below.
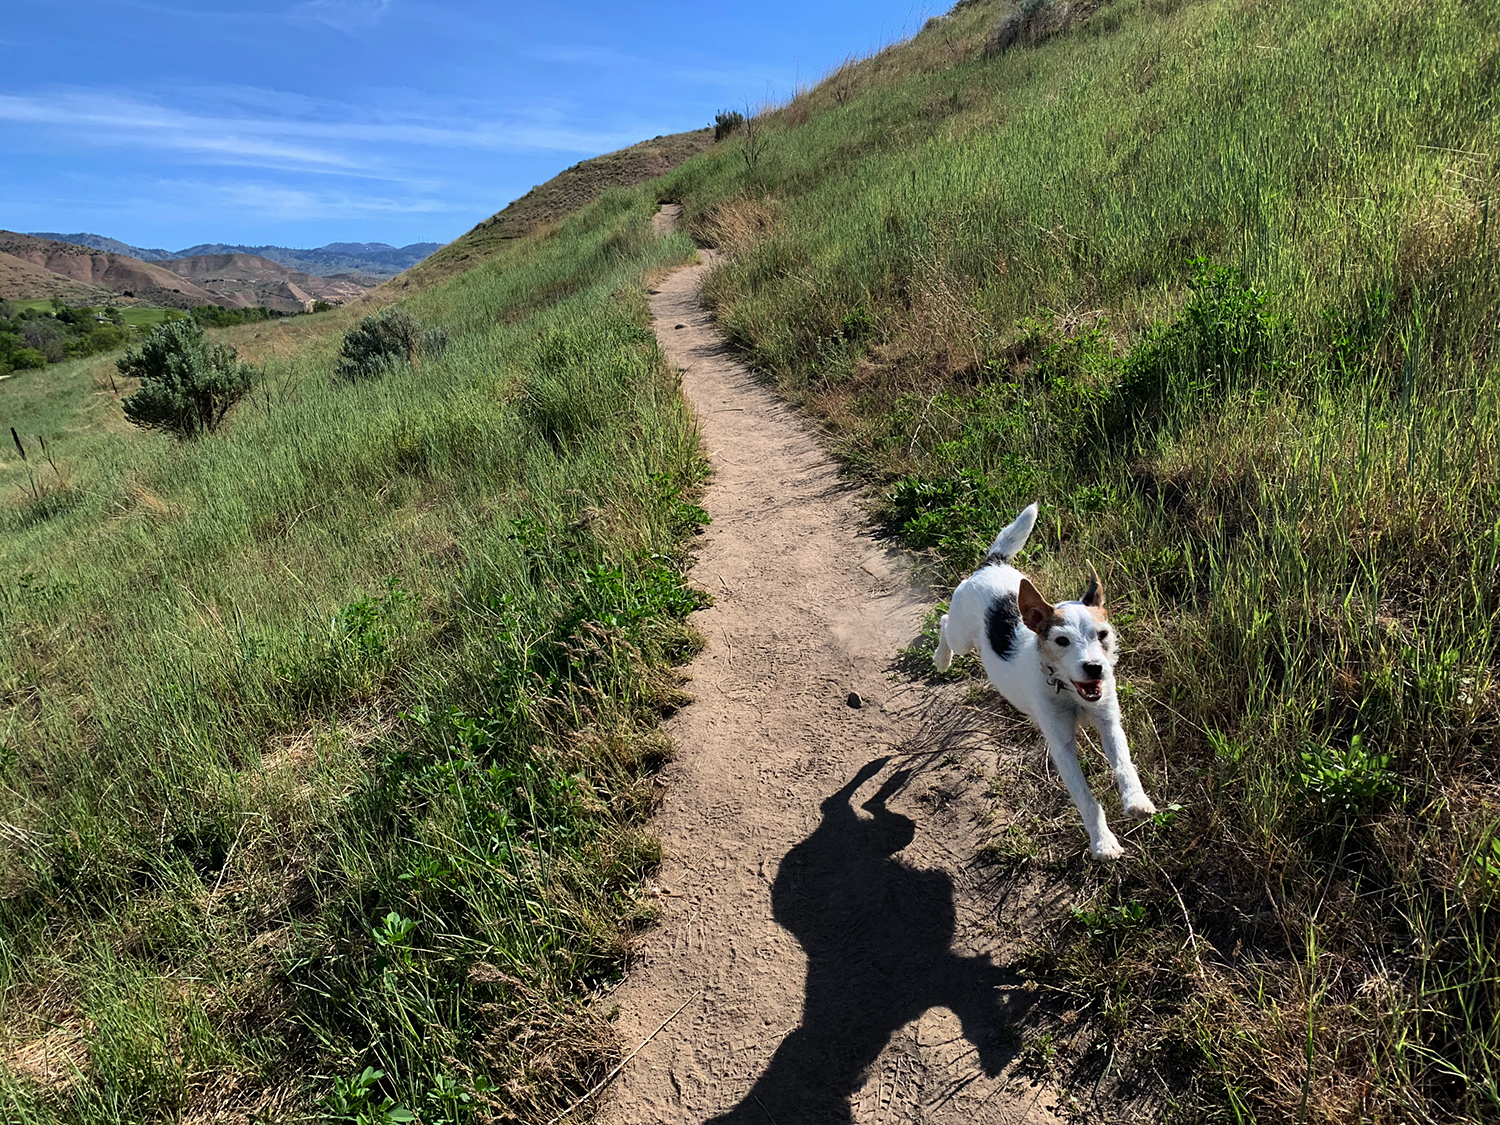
(139, 316)
(1217, 282)
(324, 740)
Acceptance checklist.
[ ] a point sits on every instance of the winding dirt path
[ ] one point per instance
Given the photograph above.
(833, 954)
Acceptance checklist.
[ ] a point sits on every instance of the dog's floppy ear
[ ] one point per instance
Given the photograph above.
(1034, 608)
(1094, 595)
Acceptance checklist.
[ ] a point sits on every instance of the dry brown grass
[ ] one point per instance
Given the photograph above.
(737, 225)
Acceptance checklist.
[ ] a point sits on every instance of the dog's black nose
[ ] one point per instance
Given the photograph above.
(1094, 671)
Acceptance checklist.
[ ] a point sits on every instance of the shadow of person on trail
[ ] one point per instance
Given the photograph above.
(878, 937)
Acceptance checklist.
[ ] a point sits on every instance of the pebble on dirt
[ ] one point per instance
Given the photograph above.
(855, 700)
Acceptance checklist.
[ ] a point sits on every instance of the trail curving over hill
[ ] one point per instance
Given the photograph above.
(831, 954)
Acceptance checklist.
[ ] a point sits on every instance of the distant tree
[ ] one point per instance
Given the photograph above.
(57, 304)
(23, 358)
(46, 336)
(114, 316)
(187, 383)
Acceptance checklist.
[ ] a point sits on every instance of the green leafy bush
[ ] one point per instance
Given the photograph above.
(389, 337)
(23, 359)
(187, 383)
(951, 513)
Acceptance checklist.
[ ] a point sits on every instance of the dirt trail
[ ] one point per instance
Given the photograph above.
(834, 955)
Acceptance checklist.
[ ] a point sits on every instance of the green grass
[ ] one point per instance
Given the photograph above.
(324, 741)
(1217, 282)
(138, 316)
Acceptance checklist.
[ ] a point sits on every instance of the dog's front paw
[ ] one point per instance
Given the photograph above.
(1139, 806)
(1107, 847)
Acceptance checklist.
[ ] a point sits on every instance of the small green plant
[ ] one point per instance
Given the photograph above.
(27, 359)
(1347, 781)
(954, 513)
(379, 342)
(357, 1101)
(187, 383)
(1108, 921)
(1486, 861)
(394, 931)
(1038, 1054)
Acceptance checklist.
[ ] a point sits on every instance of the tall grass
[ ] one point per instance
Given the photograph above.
(1218, 282)
(323, 741)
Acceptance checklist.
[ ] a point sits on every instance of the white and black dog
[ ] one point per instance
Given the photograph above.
(1054, 662)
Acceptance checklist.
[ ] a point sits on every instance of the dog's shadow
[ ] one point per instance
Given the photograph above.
(878, 936)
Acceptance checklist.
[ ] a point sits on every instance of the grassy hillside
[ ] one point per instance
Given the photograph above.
(1217, 281)
(567, 192)
(323, 738)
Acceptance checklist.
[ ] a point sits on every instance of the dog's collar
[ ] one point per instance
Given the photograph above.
(1052, 678)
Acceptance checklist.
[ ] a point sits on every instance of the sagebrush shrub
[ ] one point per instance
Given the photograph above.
(727, 121)
(388, 337)
(188, 383)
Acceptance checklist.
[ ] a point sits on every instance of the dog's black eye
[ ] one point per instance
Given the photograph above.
(1061, 640)
(1104, 634)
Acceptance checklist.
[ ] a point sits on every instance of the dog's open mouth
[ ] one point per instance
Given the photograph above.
(1091, 690)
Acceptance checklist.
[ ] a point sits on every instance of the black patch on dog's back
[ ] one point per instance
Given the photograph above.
(1000, 622)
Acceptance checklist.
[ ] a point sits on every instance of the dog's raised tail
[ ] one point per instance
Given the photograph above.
(1013, 537)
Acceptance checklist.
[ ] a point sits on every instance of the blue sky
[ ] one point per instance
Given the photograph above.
(302, 122)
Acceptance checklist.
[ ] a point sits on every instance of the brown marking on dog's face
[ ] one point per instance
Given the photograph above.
(1037, 613)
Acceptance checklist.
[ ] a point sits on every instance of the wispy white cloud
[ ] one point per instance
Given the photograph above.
(583, 54)
(240, 126)
(113, 121)
(278, 203)
(348, 16)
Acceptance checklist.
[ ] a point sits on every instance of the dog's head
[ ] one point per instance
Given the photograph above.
(1075, 639)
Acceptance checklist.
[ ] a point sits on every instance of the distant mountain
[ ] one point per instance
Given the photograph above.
(239, 280)
(108, 245)
(38, 267)
(101, 269)
(373, 259)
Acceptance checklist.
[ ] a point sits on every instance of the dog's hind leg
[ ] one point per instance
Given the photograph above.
(943, 657)
(1063, 747)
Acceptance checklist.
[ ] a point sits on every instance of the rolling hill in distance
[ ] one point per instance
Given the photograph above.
(374, 259)
(31, 266)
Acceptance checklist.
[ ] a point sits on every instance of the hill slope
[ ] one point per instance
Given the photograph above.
(565, 193)
(100, 269)
(1216, 281)
(241, 280)
(20, 278)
